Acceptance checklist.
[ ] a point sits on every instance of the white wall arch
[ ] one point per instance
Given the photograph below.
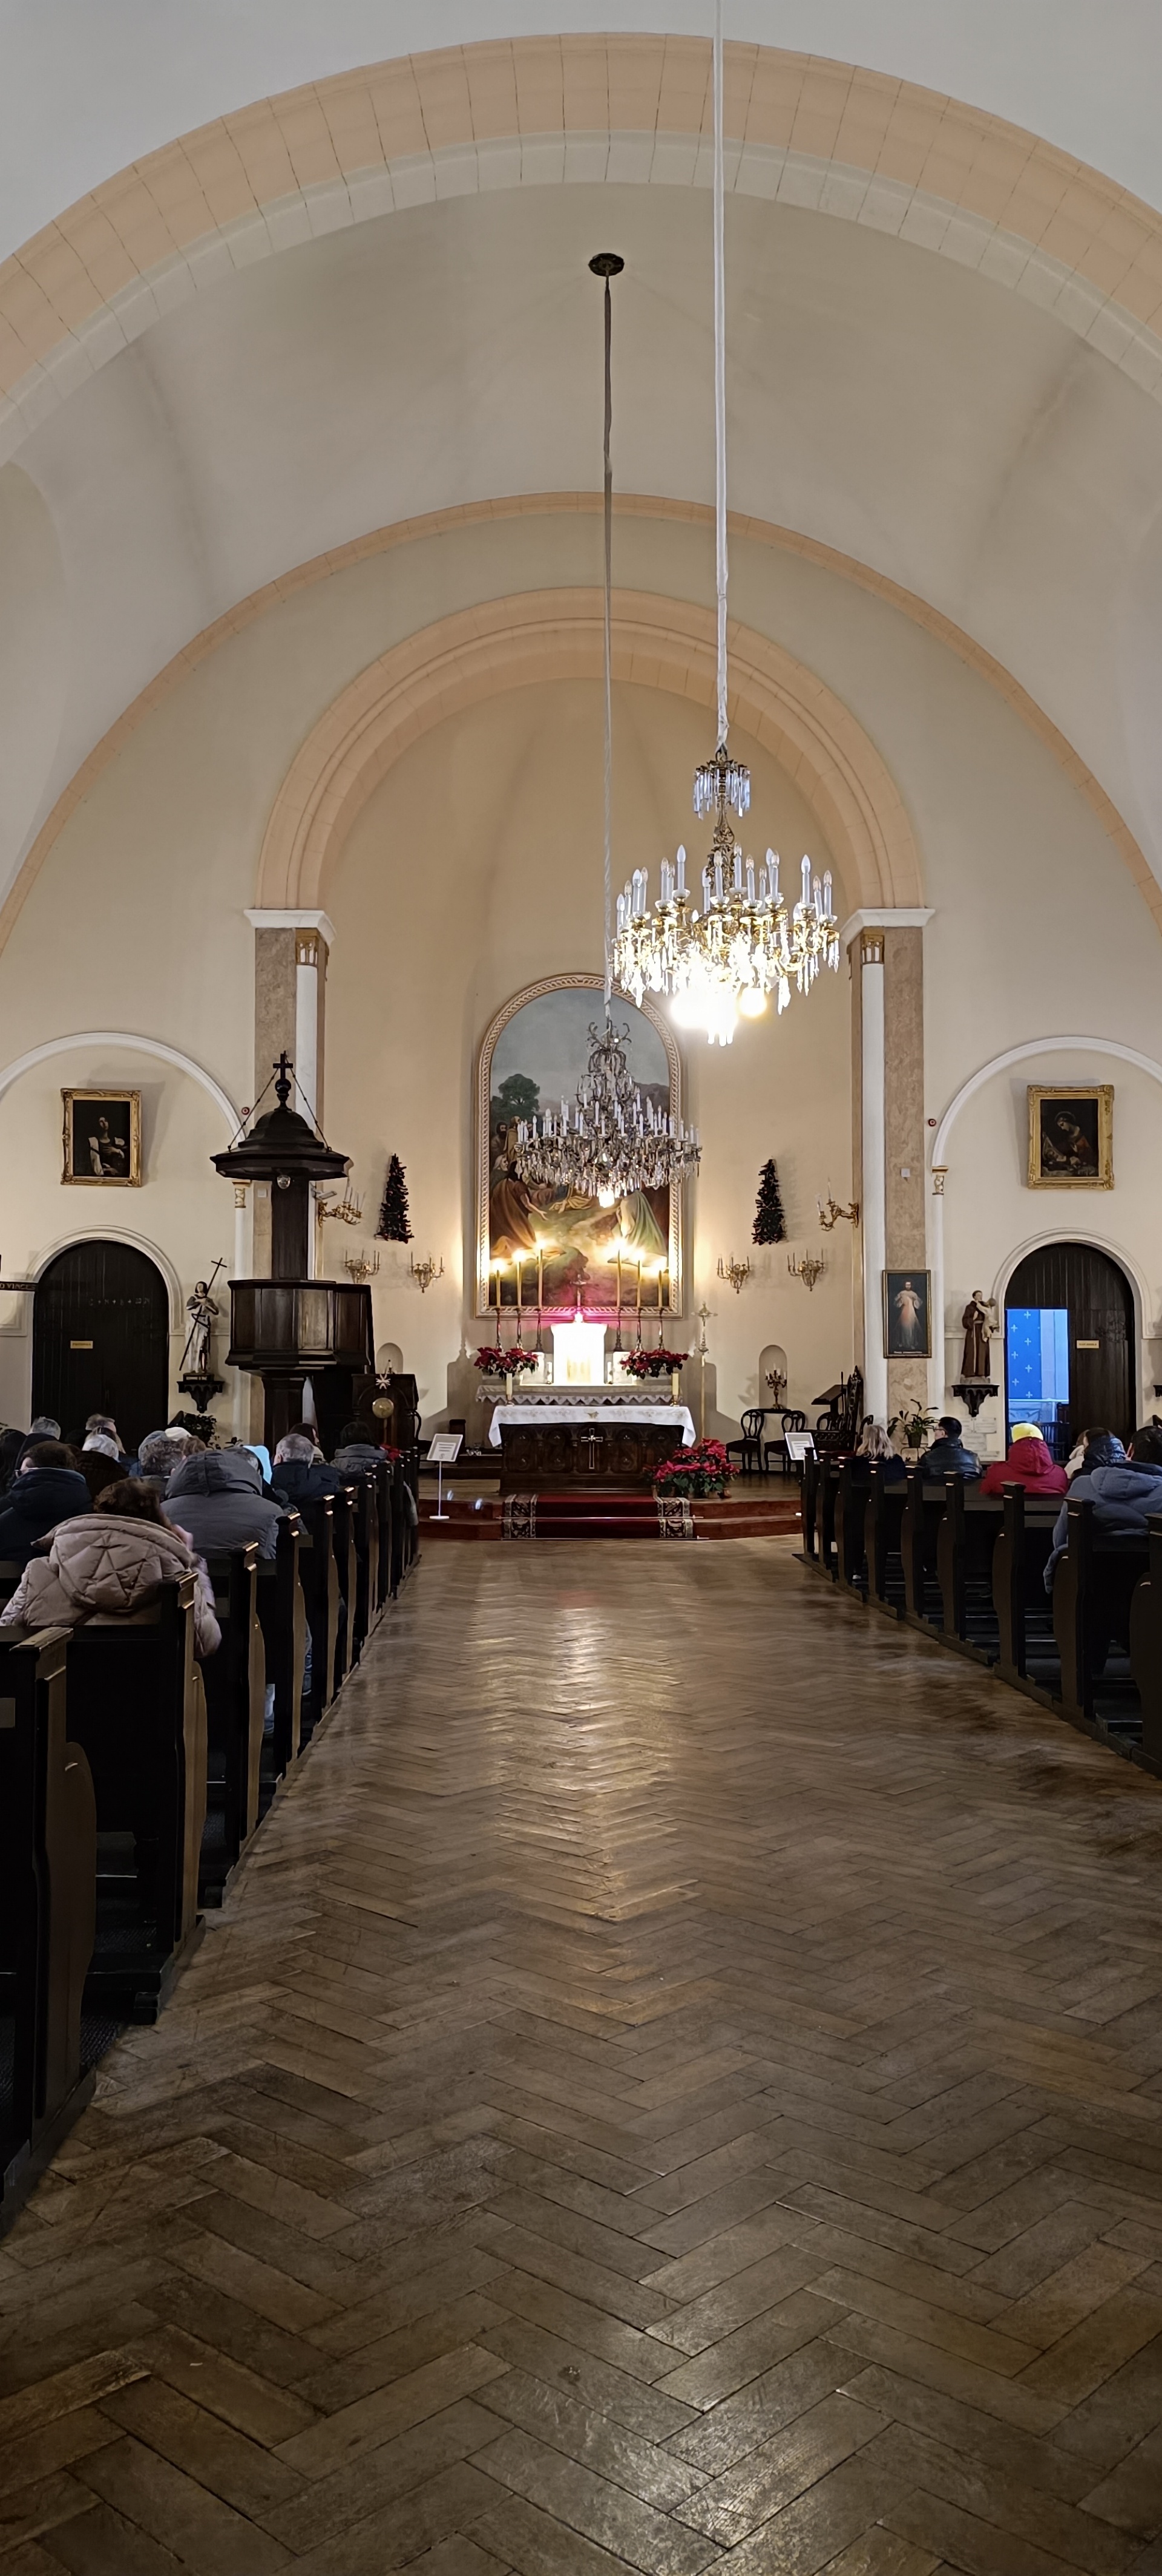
(1020, 1055)
(156, 1047)
(142, 1243)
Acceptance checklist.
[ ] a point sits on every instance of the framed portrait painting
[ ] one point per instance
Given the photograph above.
(908, 1314)
(1071, 1136)
(551, 1248)
(102, 1139)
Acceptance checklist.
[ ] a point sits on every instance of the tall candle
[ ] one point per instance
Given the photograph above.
(517, 1267)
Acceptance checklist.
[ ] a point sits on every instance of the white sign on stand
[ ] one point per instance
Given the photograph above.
(442, 1451)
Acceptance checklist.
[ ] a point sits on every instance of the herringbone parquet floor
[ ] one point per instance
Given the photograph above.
(678, 2086)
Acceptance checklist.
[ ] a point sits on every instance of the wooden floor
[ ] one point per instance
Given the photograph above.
(679, 2085)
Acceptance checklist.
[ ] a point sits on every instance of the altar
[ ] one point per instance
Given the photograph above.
(563, 1446)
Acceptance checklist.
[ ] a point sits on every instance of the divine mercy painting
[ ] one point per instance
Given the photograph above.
(550, 1247)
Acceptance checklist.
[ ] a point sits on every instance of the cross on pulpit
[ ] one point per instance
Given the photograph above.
(283, 1071)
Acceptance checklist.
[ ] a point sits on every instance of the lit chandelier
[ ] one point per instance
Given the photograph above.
(608, 1142)
(744, 944)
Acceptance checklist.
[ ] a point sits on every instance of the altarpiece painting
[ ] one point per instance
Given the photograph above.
(560, 1245)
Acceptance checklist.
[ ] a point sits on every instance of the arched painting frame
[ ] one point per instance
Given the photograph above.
(667, 1223)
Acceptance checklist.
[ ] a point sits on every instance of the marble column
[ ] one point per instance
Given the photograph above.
(887, 968)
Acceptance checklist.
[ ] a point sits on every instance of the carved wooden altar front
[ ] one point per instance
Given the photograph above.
(562, 1457)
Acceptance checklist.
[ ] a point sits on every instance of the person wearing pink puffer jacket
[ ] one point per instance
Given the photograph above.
(109, 1564)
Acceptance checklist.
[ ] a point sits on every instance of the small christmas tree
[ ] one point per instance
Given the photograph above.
(394, 1225)
(770, 1224)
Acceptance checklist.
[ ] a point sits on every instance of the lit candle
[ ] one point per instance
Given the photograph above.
(517, 1267)
(639, 1283)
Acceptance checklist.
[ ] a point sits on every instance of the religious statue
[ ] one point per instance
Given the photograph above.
(203, 1311)
(979, 1321)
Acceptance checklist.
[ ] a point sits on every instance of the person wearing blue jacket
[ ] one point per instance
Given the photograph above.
(1125, 1491)
(46, 1490)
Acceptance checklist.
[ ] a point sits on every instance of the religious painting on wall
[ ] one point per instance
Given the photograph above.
(1071, 1136)
(907, 1314)
(552, 1248)
(102, 1138)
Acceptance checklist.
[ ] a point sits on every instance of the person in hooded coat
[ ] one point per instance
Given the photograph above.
(110, 1564)
(160, 1452)
(45, 1490)
(356, 1452)
(1124, 1490)
(216, 1498)
(1028, 1463)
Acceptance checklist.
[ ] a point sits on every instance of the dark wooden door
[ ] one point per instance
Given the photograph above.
(100, 1340)
(1099, 1301)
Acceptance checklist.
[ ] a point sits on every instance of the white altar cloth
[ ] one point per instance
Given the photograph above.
(671, 1416)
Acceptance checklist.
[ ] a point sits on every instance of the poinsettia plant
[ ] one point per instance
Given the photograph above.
(703, 1470)
(492, 1361)
(654, 1363)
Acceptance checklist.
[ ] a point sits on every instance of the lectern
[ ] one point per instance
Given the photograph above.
(289, 1327)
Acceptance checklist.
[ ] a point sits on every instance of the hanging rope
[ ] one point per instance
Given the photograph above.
(608, 265)
(720, 371)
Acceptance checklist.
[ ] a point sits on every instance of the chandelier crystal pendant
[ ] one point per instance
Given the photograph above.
(743, 944)
(607, 1143)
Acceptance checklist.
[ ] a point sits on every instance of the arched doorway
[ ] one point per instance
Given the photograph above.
(1069, 1344)
(100, 1339)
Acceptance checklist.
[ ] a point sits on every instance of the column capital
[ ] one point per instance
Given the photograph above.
(308, 920)
(886, 918)
(871, 947)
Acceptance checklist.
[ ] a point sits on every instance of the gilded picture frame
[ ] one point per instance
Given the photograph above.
(101, 1140)
(659, 1064)
(1071, 1136)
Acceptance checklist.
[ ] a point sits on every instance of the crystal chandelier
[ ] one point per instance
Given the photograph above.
(744, 944)
(608, 1142)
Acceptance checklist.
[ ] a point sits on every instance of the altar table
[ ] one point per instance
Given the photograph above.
(590, 1445)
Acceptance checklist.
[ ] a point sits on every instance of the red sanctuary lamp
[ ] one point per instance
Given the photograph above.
(289, 1327)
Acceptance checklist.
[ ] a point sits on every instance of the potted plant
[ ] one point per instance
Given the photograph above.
(494, 1362)
(659, 1363)
(916, 1425)
(703, 1470)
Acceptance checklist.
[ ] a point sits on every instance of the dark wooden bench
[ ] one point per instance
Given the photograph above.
(919, 1525)
(1093, 1587)
(282, 1612)
(383, 1507)
(319, 1575)
(1020, 1555)
(48, 1876)
(235, 1682)
(850, 1519)
(1146, 1646)
(883, 1520)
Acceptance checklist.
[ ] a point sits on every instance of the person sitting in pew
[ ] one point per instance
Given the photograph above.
(42, 1427)
(1111, 1453)
(1124, 1490)
(948, 1455)
(108, 1564)
(300, 1472)
(160, 1452)
(876, 1447)
(356, 1452)
(45, 1490)
(11, 1444)
(101, 1462)
(1028, 1463)
(216, 1499)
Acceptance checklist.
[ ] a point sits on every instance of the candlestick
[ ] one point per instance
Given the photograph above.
(540, 1291)
(617, 1344)
(638, 1342)
(516, 1263)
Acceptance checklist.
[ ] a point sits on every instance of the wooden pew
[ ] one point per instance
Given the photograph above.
(1092, 1589)
(826, 1496)
(850, 1515)
(882, 1524)
(361, 1492)
(343, 1544)
(319, 1575)
(810, 1504)
(1020, 1555)
(923, 1510)
(282, 1612)
(1146, 1646)
(48, 1878)
(235, 1682)
(138, 1710)
(383, 1486)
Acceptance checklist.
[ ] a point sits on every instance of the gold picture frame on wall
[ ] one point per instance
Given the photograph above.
(1071, 1136)
(535, 1047)
(102, 1140)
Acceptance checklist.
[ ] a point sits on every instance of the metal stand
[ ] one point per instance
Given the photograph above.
(440, 1514)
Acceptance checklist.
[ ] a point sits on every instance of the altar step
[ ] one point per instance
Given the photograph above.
(610, 1515)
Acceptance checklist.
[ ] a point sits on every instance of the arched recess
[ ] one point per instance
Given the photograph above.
(557, 634)
(1020, 1055)
(96, 1038)
(1140, 1293)
(143, 1243)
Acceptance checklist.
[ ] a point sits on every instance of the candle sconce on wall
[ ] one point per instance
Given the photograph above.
(425, 1271)
(809, 1269)
(737, 1272)
(830, 1215)
(362, 1266)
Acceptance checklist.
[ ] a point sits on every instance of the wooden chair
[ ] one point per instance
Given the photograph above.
(235, 1685)
(750, 1447)
(48, 1880)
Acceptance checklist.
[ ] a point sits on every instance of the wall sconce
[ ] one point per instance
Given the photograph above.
(809, 1269)
(830, 1215)
(425, 1272)
(348, 1210)
(361, 1266)
(738, 1272)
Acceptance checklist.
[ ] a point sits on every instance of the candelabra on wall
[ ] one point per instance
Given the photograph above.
(830, 1215)
(425, 1271)
(737, 1272)
(362, 1266)
(809, 1269)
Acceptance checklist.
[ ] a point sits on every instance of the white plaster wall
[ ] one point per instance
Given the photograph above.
(475, 869)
